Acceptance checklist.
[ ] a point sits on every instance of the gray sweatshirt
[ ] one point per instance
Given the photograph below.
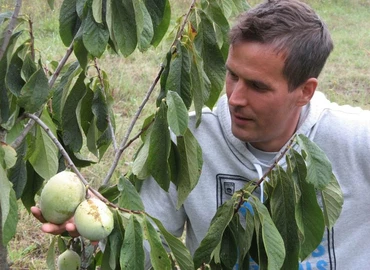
(343, 132)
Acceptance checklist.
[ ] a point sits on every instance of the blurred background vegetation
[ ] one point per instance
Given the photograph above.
(345, 80)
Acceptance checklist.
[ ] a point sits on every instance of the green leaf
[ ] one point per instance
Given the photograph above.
(29, 67)
(179, 251)
(191, 162)
(18, 173)
(309, 215)
(132, 255)
(44, 158)
(95, 35)
(159, 149)
(332, 199)
(33, 185)
(71, 132)
(272, 241)
(123, 25)
(228, 251)
(62, 90)
(282, 204)
(200, 85)
(100, 106)
(158, 255)
(97, 10)
(9, 208)
(80, 50)
(68, 21)
(144, 26)
(178, 79)
(14, 80)
(319, 168)
(8, 156)
(111, 251)
(160, 12)
(50, 255)
(177, 114)
(35, 92)
(214, 234)
(139, 168)
(213, 60)
(129, 198)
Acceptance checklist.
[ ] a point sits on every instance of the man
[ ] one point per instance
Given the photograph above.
(277, 52)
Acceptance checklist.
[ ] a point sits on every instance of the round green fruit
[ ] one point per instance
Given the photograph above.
(69, 260)
(93, 219)
(60, 197)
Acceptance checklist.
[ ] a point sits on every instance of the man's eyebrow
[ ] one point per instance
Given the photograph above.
(264, 84)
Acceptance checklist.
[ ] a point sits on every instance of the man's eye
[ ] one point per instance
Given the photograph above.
(233, 76)
(258, 86)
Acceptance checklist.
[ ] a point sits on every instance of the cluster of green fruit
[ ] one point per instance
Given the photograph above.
(64, 197)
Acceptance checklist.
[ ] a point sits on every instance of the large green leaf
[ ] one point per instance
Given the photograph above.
(44, 158)
(68, 21)
(132, 251)
(200, 85)
(111, 251)
(144, 25)
(4, 99)
(332, 199)
(14, 80)
(309, 215)
(95, 35)
(71, 131)
(97, 10)
(177, 114)
(178, 249)
(18, 174)
(213, 60)
(50, 255)
(158, 255)
(191, 162)
(9, 208)
(160, 12)
(282, 204)
(319, 168)
(178, 79)
(214, 234)
(123, 25)
(129, 198)
(100, 106)
(272, 240)
(35, 92)
(33, 185)
(62, 89)
(159, 149)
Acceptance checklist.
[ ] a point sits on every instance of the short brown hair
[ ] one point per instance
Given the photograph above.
(294, 29)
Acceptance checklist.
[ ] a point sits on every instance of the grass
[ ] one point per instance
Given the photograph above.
(345, 79)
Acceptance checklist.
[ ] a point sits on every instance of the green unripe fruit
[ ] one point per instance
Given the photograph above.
(69, 260)
(93, 219)
(60, 197)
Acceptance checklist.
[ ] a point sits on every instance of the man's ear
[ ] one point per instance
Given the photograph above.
(307, 89)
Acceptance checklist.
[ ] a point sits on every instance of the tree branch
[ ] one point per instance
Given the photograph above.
(73, 166)
(123, 144)
(10, 28)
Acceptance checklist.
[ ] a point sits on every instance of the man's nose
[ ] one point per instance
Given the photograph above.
(238, 94)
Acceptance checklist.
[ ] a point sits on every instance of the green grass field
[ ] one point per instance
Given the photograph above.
(345, 79)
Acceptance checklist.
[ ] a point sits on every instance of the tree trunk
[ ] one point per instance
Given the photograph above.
(3, 252)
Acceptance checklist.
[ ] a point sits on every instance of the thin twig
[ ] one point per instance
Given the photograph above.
(123, 144)
(10, 28)
(114, 141)
(73, 166)
(282, 154)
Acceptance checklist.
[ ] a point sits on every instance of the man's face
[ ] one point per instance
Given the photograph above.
(262, 110)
